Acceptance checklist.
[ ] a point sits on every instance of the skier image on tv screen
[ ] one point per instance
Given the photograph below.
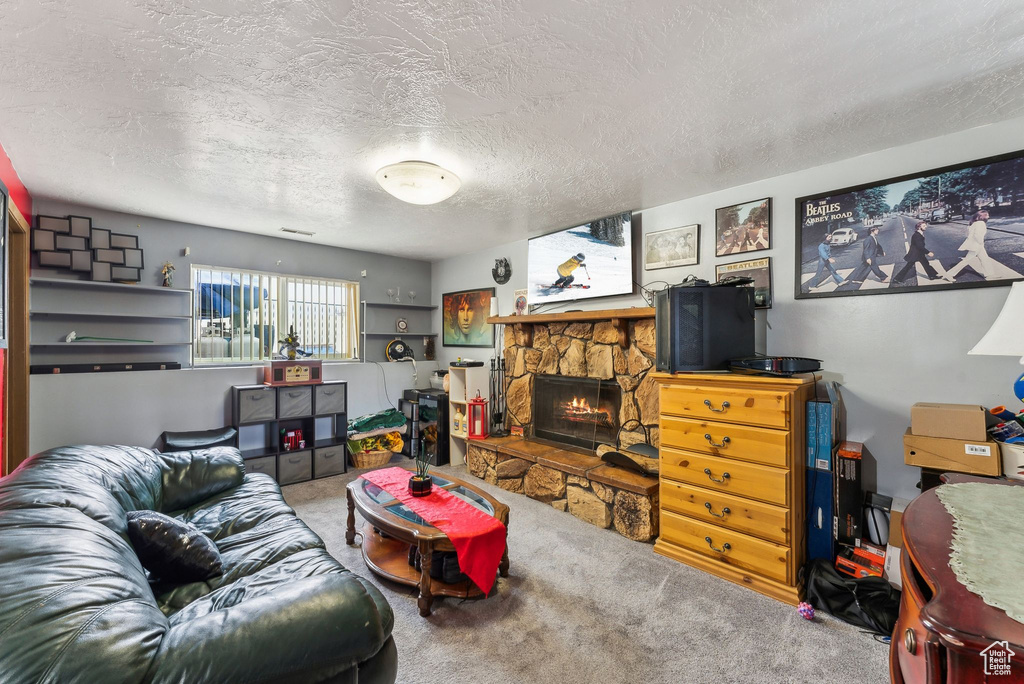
(566, 268)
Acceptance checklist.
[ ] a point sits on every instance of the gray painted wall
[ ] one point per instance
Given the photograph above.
(134, 408)
(887, 351)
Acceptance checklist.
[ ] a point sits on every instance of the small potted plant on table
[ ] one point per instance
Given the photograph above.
(420, 484)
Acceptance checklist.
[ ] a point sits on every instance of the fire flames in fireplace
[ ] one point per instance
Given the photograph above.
(579, 411)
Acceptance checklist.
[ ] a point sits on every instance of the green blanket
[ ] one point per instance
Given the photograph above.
(388, 418)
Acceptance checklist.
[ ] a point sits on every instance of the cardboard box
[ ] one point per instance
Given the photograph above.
(849, 499)
(896, 522)
(855, 565)
(979, 457)
(891, 571)
(967, 422)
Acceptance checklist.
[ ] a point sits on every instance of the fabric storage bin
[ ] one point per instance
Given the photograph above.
(264, 464)
(329, 461)
(294, 402)
(330, 398)
(256, 404)
(294, 466)
(1013, 460)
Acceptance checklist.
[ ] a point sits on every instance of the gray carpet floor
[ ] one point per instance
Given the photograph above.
(584, 605)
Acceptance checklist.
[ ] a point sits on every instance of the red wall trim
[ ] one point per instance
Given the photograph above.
(19, 194)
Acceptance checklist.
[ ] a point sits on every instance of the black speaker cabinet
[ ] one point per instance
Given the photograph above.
(701, 328)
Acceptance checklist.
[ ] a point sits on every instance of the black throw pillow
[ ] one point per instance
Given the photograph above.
(172, 550)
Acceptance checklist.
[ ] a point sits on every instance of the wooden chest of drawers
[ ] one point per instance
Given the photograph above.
(732, 477)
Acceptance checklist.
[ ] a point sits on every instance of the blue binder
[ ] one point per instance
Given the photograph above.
(820, 514)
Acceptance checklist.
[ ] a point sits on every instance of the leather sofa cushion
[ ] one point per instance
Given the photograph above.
(199, 439)
(190, 477)
(171, 549)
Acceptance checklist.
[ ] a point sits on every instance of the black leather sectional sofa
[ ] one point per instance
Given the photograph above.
(77, 606)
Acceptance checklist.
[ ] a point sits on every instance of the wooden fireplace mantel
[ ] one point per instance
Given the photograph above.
(576, 316)
(619, 317)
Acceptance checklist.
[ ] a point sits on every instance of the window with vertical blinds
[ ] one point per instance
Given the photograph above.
(241, 316)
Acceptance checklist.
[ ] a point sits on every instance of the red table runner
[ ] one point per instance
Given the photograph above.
(479, 538)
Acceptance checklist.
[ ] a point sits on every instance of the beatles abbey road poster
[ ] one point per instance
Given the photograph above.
(959, 226)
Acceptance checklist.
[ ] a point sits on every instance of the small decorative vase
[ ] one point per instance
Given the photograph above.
(420, 486)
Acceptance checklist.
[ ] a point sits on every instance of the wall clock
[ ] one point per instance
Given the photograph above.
(502, 271)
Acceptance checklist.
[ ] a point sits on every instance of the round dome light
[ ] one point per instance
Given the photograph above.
(418, 182)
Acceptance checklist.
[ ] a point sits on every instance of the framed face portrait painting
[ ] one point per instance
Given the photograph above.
(465, 318)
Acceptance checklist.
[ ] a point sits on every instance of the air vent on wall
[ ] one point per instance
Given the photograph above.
(297, 232)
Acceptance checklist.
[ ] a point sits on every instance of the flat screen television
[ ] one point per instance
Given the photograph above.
(591, 260)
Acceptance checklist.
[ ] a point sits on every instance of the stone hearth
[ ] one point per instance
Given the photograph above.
(583, 485)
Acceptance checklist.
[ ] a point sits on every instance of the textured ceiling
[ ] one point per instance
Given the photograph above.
(257, 115)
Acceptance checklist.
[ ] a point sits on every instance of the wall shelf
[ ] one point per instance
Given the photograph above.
(398, 334)
(94, 285)
(392, 305)
(377, 315)
(101, 343)
(59, 306)
(87, 314)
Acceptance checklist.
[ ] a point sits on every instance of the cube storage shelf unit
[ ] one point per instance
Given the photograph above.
(261, 412)
(463, 384)
(373, 324)
(96, 309)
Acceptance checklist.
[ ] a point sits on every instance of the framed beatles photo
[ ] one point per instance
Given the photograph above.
(672, 247)
(954, 227)
(465, 315)
(745, 227)
(758, 269)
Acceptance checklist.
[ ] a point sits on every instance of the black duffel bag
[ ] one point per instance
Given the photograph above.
(868, 602)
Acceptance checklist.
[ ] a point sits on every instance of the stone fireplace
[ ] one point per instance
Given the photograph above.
(572, 380)
(619, 350)
(582, 412)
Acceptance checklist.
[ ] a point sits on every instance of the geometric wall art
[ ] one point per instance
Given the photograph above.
(72, 243)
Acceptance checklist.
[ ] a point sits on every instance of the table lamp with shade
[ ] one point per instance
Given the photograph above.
(1006, 336)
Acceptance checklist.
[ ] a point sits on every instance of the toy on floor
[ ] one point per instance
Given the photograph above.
(806, 611)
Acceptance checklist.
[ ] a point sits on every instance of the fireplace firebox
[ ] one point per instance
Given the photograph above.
(581, 412)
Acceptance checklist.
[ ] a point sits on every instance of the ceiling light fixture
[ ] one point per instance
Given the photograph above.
(418, 182)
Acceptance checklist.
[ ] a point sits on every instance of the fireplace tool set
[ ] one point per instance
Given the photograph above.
(498, 397)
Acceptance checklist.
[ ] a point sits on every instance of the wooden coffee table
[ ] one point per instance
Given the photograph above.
(388, 555)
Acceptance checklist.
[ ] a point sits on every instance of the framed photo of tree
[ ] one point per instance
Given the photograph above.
(954, 227)
(745, 227)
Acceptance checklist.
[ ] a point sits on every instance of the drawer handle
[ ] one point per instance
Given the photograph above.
(910, 641)
(725, 406)
(725, 511)
(256, 397)
(725, 476)
(295, 395)
(725, 547)
(328, 455)
(711, 441)
(328, 393)
(295, 461)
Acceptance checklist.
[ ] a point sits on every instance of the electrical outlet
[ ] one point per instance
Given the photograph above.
(363, 273)
(186, 251)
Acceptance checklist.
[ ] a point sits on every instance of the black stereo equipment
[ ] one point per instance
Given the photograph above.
(701, 328)
(775, 365)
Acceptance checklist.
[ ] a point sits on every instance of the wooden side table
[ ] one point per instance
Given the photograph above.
(392, 533)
